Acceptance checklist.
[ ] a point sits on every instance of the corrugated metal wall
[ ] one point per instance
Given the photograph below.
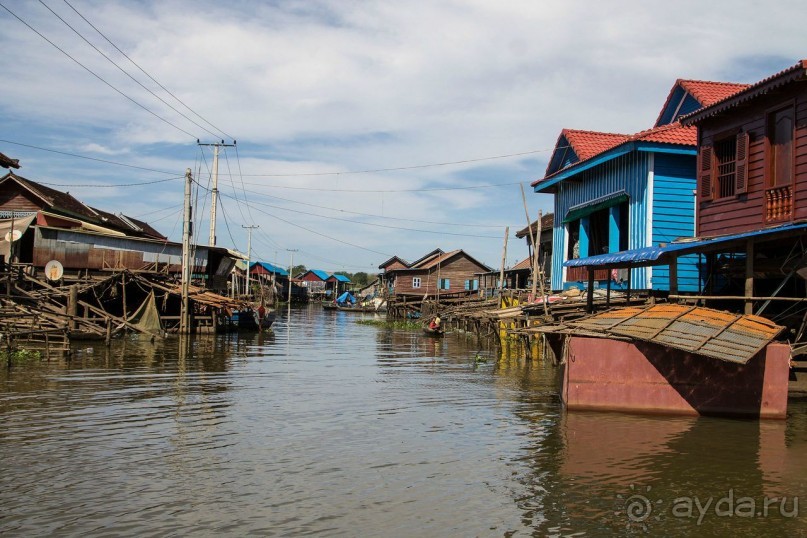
(626, 173)
(674, 216)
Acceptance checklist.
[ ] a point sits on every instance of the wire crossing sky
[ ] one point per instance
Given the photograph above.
(363, 129)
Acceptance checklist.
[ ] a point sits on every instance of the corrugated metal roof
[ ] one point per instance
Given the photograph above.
(658, 255)
(712, 333)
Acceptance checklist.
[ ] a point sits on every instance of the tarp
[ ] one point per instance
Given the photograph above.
(20, 224)
(346, 297)
(147, 317)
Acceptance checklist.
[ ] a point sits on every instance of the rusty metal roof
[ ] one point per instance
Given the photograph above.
(713, 333)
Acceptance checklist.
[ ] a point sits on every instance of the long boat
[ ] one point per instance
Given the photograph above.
(433, 332)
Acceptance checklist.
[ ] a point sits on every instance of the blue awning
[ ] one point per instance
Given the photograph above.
(587, 208)
(660, 255)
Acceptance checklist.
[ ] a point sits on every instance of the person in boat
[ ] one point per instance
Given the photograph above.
(434, 324)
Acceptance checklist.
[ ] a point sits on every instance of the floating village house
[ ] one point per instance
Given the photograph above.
(313, 281)
(544, 241)
(336, 284)
(616, 192)
(436, 272)
(53, 225)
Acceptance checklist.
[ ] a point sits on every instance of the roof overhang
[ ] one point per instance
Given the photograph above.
(662, 255)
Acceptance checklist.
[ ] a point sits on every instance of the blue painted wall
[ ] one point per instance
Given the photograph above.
(690, 104)
(674, 216)
(626, 173)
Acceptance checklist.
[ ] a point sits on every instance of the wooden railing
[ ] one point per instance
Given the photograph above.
(778, 204)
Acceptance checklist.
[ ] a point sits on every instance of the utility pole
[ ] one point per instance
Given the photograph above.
(184, 319)
(214, 192)
(291, 270)
(249, 249)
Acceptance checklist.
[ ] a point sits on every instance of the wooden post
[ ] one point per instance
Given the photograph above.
(504, 258)
(608, 289)
(108, 339)
(628, 294)
(749, 276)
(123, 284)
(590, 291)
(72, 307)
(674, 275)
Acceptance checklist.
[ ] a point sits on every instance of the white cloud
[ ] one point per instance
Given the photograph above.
(308, 87)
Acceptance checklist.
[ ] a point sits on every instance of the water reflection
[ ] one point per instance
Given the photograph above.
(327, 426)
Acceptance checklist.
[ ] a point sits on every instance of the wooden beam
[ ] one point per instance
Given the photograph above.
(674, 275)
(749, 276)
(590, 291)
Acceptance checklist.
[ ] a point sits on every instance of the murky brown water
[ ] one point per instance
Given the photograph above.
(328, 427)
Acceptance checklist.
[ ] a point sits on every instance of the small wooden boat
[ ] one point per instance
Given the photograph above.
(330, 306)
(428, 331)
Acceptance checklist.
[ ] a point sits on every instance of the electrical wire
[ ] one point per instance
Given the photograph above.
(109, 185)
(147, 74)
(122, 70)
(93, 73)
(105, 161)
(437, 232)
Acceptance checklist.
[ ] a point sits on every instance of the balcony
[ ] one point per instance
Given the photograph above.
(778, 204)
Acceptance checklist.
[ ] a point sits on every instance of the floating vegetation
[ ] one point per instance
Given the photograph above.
(399, 324)
(19, 356)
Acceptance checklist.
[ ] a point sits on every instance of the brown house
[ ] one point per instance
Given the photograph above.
(53, 225)
(436, 272)
(544, 241)
(752, 156)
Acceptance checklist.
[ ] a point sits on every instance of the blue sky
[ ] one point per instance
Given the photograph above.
(316, 91)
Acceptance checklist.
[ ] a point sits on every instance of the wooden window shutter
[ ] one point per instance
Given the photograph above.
(705, 173)
(741, 164)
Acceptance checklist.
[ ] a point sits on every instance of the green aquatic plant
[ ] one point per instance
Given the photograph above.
(401, 324)
(19, 356)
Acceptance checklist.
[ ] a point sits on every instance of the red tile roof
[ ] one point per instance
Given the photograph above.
(587, 144)
(792, 73)
(707, 92)
(672, 133)
(523, 264)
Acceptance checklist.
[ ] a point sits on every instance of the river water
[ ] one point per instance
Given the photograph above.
(326, 426)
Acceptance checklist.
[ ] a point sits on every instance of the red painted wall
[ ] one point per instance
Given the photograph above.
(606, 374)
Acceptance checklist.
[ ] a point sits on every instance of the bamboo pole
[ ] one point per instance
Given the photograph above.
(504, 258)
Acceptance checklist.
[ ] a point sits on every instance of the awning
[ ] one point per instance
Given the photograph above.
(661, 255)
(587, 208)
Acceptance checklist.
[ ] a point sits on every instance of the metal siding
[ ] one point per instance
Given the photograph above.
(624, 173)
(674, 217)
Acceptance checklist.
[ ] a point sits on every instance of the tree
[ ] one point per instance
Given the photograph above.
(360, 279)
(298, 270)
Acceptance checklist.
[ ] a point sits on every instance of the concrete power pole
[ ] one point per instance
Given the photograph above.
(214, 192)
(249, 250)
(184, 319)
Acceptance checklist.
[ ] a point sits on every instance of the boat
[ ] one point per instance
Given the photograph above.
(428, 331)
(245, 320)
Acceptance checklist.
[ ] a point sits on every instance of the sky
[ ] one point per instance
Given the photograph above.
(362, 129)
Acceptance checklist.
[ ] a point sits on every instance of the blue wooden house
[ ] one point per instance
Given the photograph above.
(616, 192)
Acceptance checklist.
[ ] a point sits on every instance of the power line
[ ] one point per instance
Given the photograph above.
(322, 234)
(105, 161)
(497, 226)
(122, 70)
(437, 232)
(107, 185)
(413, 167)
(99, 77)
(146, 73)
(433, 189)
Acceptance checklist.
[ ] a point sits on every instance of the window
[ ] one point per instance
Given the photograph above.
(416, 282)
(726, 160)
(444, 284)
(471, 285)
(780, 147)
(723, 167)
